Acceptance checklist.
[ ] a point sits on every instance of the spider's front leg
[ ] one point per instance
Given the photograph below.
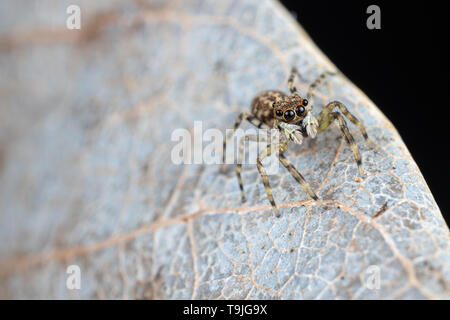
(297, 176)
(250, 118)
(291, 86)
(265, 179)
(327, 116)
(310, 122)
(249, 137)
(280, 148)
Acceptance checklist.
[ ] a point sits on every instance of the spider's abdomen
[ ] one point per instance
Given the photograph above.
(262, 105)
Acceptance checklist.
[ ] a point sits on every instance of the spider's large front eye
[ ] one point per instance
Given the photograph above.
(289, 115)
(300, 111)
(279, 113)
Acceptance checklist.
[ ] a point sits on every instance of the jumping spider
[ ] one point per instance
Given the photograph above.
(292, 116)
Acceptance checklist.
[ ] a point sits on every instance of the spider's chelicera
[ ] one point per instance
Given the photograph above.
(292, 116)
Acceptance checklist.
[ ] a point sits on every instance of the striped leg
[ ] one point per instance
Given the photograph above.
(250, 118)
(317, 82)
(291, 78)
(249, 137)
(265, 153)
(326, 118)
(297, 176)
(350, 117)
(328, 109)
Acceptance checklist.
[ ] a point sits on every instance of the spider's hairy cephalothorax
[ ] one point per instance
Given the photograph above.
(292, 116)
(274, 108)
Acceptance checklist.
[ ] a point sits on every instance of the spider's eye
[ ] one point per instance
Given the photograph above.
(279, 113)
(289, 115)
(305, 102)
(300, 111)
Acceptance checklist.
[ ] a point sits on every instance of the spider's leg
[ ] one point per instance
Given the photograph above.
(265, 153)
(297, 176)
(291, 78)
(249, 137)
(250, 118)
(352, 118)
(317, 82)
(326, 117)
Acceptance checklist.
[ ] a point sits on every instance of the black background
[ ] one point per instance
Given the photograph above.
(400, 67)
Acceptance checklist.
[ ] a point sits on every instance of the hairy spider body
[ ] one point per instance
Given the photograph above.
(292, 116)
(262, 106)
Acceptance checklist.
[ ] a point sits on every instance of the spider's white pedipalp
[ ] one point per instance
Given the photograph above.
(311, 125)
(293, 131)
